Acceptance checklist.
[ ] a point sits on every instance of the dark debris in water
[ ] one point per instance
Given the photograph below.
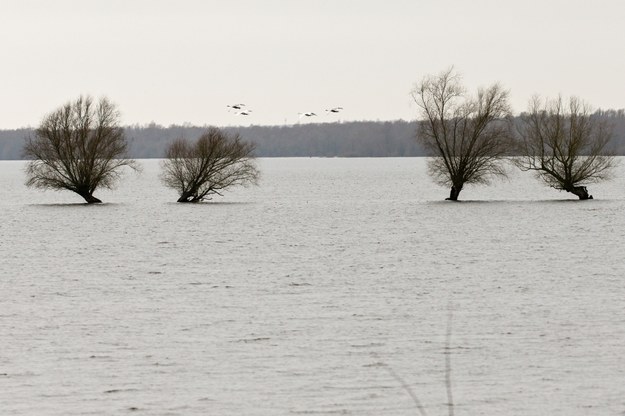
(376, 364)
(112, 391)
(372, 344)
(259, 339)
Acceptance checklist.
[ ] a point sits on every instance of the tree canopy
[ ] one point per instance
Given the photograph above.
(79, 147)
(215, 162)
(467, 137)
(565, 144)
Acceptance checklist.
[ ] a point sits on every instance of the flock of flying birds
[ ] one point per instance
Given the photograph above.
(242, 110)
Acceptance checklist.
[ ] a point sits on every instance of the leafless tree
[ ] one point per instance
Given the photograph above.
(79, 147)
(216, 161)
(467, 136)
(565, 145)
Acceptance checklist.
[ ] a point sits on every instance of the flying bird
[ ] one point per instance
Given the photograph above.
(307, 114)
(236, 106)
(334, 110)
(244, 112)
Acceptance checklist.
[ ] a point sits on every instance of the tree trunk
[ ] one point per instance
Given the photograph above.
(91, 199)
(453, 194)
(87, 194)
(189, 197)
(581, 192)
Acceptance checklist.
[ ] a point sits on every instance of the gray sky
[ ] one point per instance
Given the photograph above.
(176, 61)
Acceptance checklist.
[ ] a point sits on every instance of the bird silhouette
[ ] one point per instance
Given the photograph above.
(334, 110)
(307, 114)
(236, 106)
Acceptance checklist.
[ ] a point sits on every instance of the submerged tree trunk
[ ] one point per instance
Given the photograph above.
(581, 192)
(189, 197)
(91, 199)
(186, 198)
(453, 194)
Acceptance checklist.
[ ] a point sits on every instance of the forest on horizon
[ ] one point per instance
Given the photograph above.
(339, 139)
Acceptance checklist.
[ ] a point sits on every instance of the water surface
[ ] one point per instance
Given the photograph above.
(292, 297)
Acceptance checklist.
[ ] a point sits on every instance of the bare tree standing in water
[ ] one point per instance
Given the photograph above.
(565, 145)
(80, 147)
(466, 137)
(216, 161)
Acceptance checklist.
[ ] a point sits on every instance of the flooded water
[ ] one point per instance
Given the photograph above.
(298, 296)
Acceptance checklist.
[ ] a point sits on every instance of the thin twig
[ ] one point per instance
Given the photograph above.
(450, 399)
(405, 386)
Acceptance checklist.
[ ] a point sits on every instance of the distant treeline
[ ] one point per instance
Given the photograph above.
(346, 139)
(392, 138)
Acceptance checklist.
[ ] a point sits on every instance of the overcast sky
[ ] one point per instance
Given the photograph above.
(177, 61)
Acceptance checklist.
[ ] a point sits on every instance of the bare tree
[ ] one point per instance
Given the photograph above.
(216, 161)
(467, 137)
(565, 145)
(79, 147)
